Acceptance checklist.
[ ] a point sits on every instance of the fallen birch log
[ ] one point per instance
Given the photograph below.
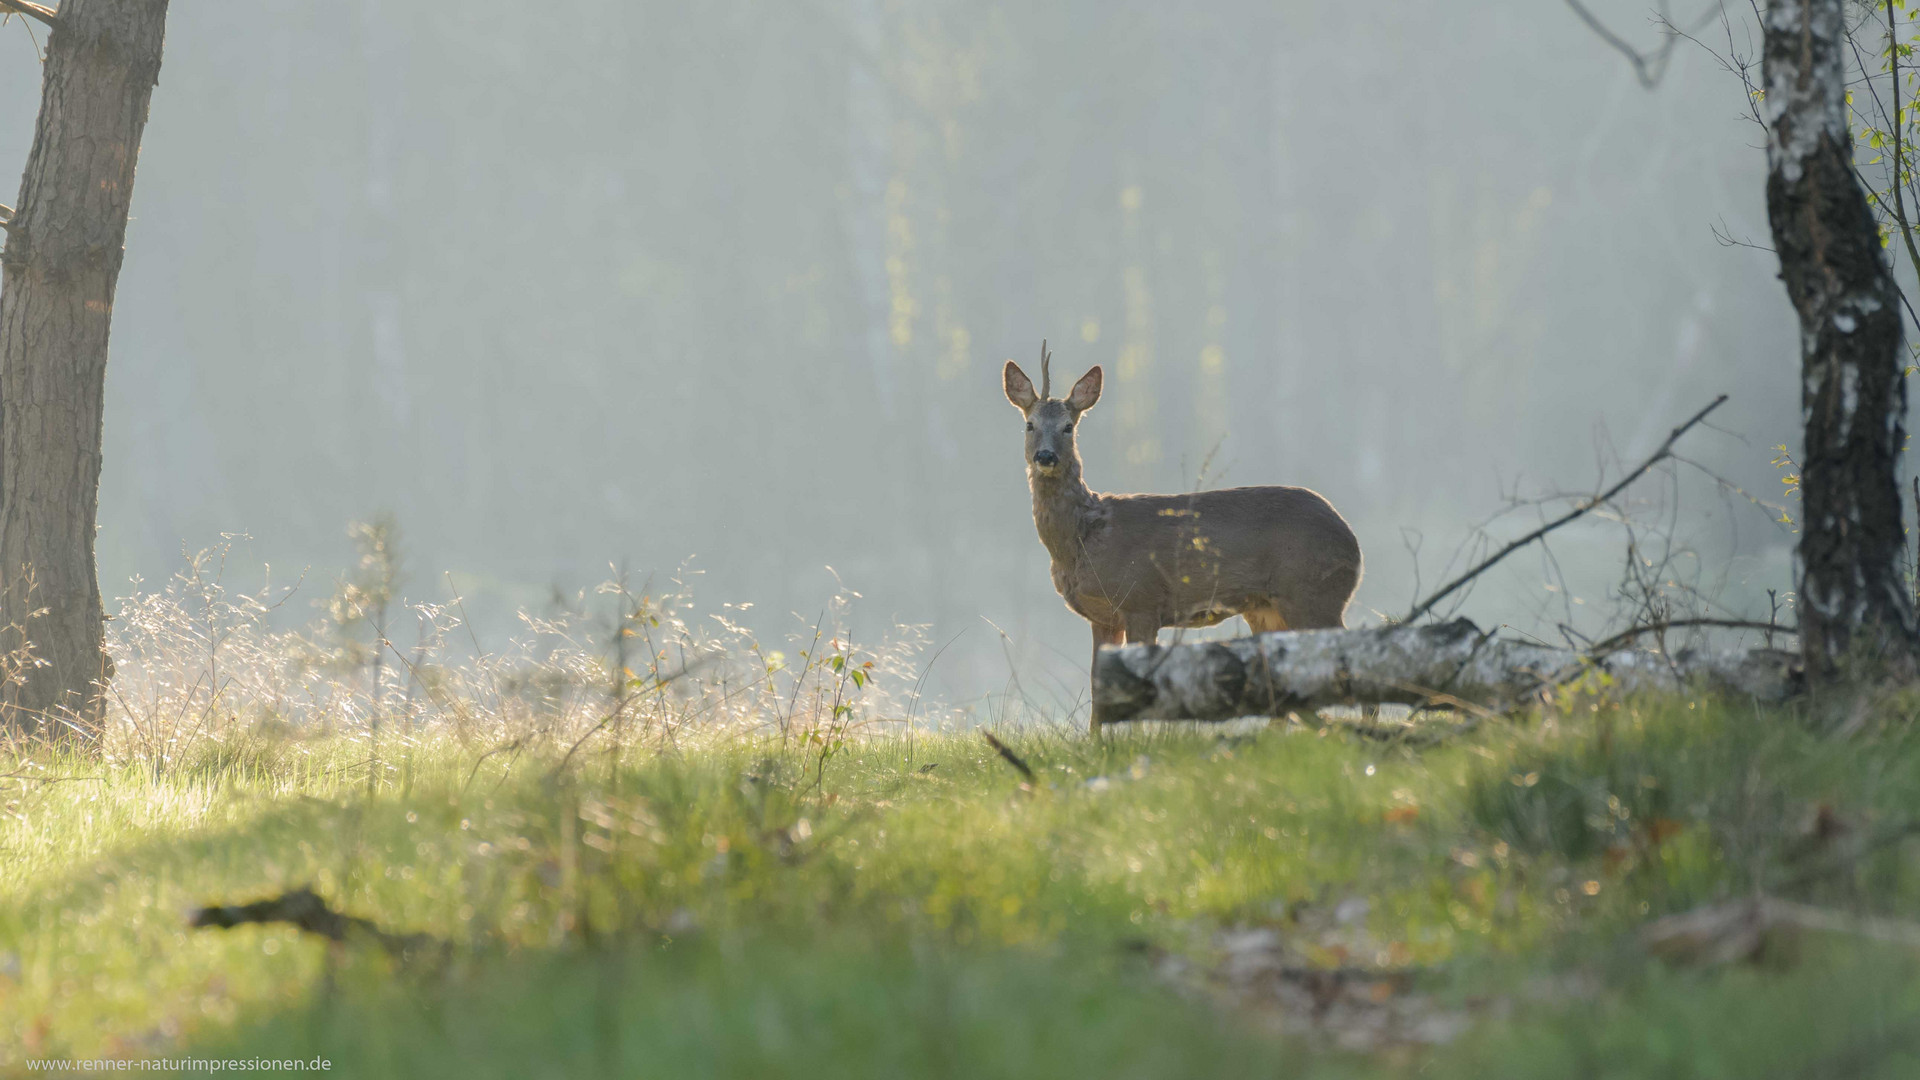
(1272, 674)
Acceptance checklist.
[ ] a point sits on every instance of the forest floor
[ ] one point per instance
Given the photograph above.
(1165, 902)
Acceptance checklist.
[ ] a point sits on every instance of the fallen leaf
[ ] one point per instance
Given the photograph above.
(1660, 830)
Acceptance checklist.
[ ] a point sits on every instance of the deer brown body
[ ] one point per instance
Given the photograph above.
(1281, 557)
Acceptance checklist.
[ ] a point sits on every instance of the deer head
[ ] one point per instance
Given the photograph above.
(1050, 421)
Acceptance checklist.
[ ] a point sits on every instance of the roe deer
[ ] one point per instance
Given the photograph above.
(1281, 557)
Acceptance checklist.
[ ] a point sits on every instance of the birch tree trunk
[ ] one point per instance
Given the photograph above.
(61, 262)
(1854, 610)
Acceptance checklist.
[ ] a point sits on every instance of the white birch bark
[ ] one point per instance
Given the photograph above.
(1272, 674)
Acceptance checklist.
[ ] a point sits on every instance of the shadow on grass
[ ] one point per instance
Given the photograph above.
(747, 1006)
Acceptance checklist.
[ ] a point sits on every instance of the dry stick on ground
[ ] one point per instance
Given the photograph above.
(1013, 759)
(1738, 930)
(1418, 736)
(304, 909)
(1665, 451)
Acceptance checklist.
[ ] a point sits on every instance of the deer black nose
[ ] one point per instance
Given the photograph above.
(1046, 459)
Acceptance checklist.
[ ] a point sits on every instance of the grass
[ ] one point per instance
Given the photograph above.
(747, 906)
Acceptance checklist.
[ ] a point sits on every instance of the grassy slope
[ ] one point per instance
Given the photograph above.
(672, 915)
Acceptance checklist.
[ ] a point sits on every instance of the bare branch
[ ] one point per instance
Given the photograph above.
(1665, 451)
(1625, 637)
(1648, 67)
(1724, 237)
(28, 7)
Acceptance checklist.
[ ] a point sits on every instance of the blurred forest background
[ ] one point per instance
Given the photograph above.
(596, 282)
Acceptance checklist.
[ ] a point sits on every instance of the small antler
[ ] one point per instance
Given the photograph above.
(1046, 377)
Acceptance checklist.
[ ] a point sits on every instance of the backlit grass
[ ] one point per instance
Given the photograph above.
(909, 907)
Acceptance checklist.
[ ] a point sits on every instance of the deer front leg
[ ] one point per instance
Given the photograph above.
(1143, 629)
(1102, 635)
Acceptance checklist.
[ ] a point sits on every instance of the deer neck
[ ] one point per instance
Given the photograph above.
(1064, 511)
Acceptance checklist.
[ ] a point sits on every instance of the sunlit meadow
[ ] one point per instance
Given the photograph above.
(643, 842)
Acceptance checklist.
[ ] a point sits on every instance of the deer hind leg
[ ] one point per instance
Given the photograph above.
(1315, 615)
(1264, 620)
(1102, 635)
(1267, 620)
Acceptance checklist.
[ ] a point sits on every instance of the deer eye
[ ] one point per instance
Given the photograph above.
(1029, 425)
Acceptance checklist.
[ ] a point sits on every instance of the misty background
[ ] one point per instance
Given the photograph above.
(600, 282)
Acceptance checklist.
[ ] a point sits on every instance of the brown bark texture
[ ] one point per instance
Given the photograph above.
(1853, 604)
(61, 261)
(1272, 674)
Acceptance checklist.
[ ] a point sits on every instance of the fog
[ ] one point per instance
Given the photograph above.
(584, 283)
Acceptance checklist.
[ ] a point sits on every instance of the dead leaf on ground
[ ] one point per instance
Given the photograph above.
(1303, 984)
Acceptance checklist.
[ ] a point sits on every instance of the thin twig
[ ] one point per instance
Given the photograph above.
(482, 760)
(28, 777)
(1614, 643)
(1013, 759)
(1724, 236)
(1899, 200)
(914, 703)
(1899, 155)
(1665, 451)
(659, 682)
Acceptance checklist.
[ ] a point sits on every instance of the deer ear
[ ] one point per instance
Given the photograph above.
(1086, 391)
(1019, 387)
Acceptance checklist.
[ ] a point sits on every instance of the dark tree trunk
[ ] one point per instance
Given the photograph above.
(1853, 606)
(61, 261)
